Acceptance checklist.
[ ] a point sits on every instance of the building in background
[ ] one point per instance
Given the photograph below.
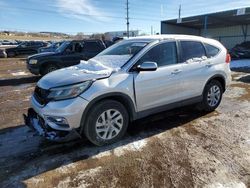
(229, 27)
(113, 34)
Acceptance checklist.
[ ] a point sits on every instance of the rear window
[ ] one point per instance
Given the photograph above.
(211, 50)
(191, 49)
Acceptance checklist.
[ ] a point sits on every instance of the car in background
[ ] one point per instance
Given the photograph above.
(68, 54)
(51, 48)
(117, 39)
(25, 48)
(241, 50)
(108, 43)
(8, 42)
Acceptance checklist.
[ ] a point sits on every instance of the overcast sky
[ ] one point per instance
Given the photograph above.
(93, 16)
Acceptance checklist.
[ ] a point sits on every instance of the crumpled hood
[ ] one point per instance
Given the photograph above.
(75, 74)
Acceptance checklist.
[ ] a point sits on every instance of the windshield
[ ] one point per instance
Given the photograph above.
(22, 45)
(117, 55)
(63, 46)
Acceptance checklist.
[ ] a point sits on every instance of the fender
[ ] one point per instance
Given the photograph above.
(220, 78)
(121, 97)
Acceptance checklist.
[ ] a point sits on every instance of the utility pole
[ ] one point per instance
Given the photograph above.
(127, 18)
(179, 15)
(152, 30)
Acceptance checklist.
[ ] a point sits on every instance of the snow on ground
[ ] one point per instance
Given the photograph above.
(19, 73)
(240, 63)
(134, 146)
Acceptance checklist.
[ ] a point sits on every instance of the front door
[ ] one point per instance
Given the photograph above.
(72, 54)
(163, 86)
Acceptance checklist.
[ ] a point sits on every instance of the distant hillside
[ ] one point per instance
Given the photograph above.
(14, 35)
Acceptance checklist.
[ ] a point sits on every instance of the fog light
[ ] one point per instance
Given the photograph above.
(60, 121)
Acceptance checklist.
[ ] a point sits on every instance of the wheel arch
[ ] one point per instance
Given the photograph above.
(220, 78)
(124, 99)
(46, 63)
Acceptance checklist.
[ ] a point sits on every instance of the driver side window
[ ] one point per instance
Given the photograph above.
(69, 49)
(162, 54)
(75, 48)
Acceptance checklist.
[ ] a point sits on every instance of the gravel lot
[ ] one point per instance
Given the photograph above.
(179, 148)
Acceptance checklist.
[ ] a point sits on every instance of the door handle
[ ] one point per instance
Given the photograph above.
(176, 71)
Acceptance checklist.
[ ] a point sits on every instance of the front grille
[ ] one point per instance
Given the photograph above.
(41, 95)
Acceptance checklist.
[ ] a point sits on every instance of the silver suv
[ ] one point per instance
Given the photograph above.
(130, 80)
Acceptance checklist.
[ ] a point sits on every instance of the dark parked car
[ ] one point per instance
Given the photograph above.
(51, 48)
(25, 48)
(68, 54)
(108, 43)
(241, 50)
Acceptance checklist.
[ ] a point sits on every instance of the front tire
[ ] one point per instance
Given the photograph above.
(212, 96)
(49, 68)
(107, 123)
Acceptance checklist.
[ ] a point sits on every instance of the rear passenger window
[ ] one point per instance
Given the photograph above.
(191, 49)
(211, 50)
(92, 47)
(162, 54)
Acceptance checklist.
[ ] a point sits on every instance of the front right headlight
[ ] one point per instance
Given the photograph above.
(32, 61)
(67, 92)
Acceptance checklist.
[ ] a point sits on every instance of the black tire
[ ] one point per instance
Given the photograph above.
(95, 114)
(11, 54)
(205, 105)
(48, 68)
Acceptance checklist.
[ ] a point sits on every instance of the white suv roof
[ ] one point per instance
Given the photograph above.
(176, 37)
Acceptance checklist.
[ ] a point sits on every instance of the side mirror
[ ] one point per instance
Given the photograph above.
(147, 66)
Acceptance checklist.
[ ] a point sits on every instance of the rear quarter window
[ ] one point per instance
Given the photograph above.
(191, 49)
(211, 50)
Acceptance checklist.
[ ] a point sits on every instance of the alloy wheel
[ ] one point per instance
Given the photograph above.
(213, 96)
(109, 124)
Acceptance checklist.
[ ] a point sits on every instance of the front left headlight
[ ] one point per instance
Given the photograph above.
(68, 92)
(32, 61)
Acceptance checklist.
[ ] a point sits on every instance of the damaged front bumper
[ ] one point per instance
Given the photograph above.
(37, 124)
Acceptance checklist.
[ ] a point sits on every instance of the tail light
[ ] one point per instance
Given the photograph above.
(228, 58)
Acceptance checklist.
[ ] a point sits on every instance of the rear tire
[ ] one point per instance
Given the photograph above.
(212, 96)
(107, 122)
(47, 69)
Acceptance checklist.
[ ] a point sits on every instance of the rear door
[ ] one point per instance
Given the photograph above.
(91, 49)
(33, 48)
(24, 48)
(194, 61)
(163, 86)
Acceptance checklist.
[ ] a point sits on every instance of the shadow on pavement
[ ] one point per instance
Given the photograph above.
(18, 81)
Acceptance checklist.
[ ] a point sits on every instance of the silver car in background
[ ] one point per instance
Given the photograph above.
(130, 80)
